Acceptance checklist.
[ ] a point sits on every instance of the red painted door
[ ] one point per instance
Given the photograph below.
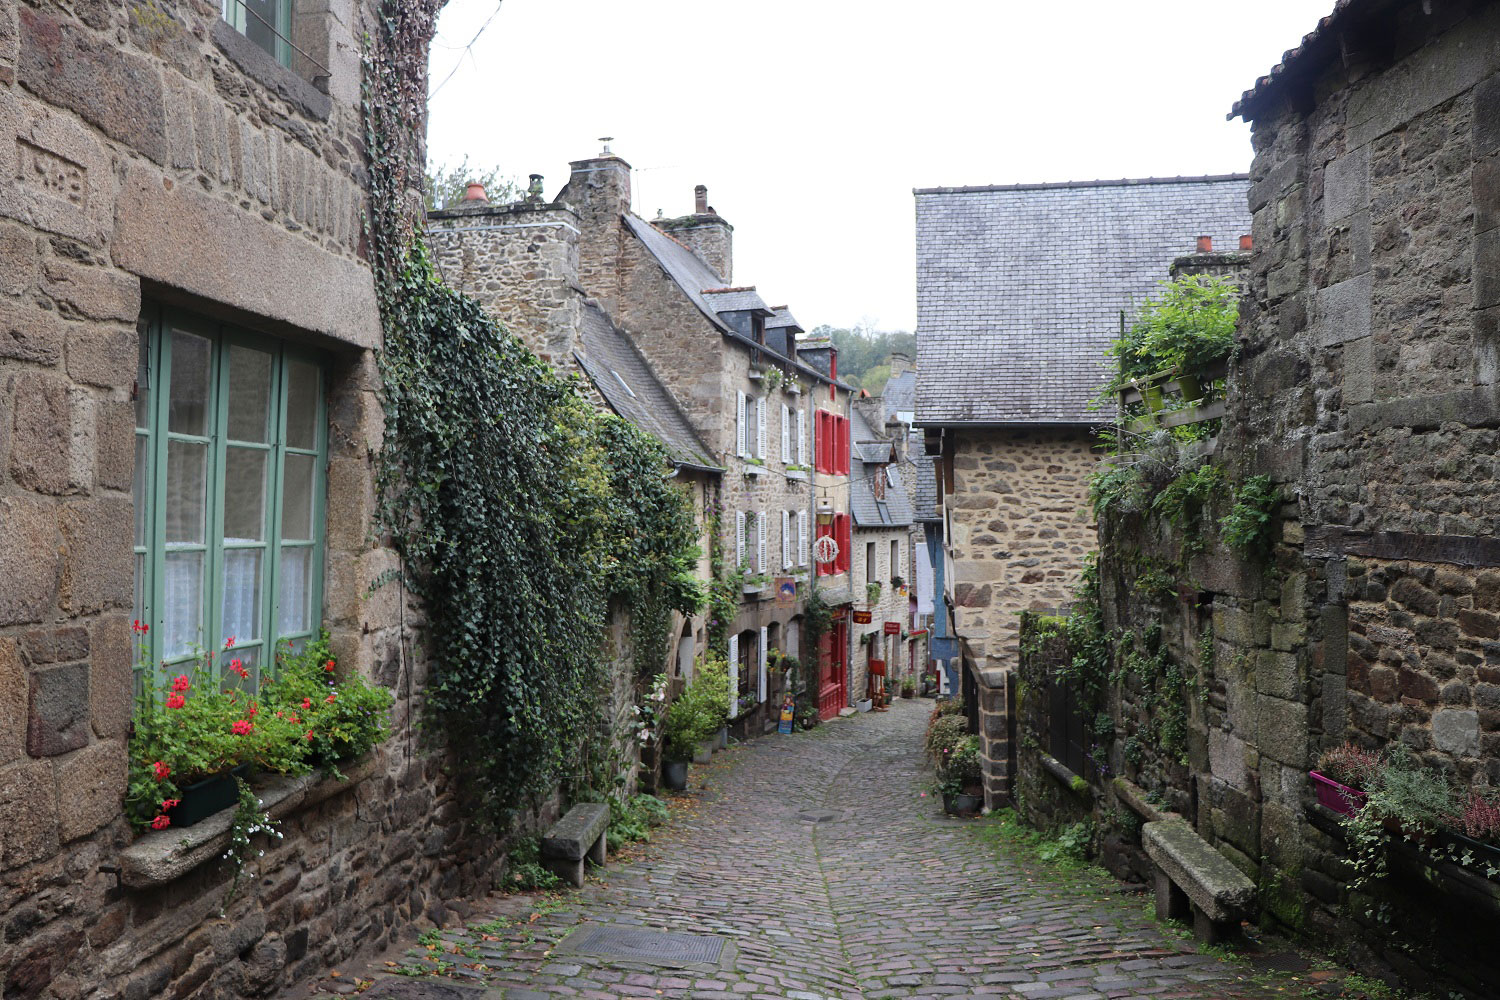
(833, 688)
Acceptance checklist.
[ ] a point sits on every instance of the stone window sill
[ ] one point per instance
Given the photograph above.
(798, 474)
(157, 858)
(751, 469)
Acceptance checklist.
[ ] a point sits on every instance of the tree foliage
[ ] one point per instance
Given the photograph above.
(1188, 325)
(863, 350)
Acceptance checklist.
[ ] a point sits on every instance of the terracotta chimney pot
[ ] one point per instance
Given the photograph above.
(1205, 244)
(1247, 243)
(475, 192)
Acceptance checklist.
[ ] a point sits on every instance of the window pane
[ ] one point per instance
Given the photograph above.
(140, 491)
(260, 16)
(294, 614)
(249, 394)
(301, 405)
(183, 613)
(249, 657)
(188, 402)
(241, 606)
(187, 466)
(244, 495)
(297, 498)
(138, 603)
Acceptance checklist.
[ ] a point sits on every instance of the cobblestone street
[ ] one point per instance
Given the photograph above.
(885, 898)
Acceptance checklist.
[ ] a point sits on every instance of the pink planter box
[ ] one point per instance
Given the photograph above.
(1340, 798)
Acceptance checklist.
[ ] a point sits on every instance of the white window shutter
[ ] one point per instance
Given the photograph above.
(760, 541)
(734, 673)
(801, 437)
(786, 433)
(740, 430)
(761, 682)
(739, 538)
(801, 538)
(760, 427)
(786, 539)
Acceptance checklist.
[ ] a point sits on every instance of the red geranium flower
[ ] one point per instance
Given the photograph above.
(307, 703)
(328, 666)
(175, 701)
(238, 667)
(139, 627)
(229, 643)
(241, 727)
(309, 734)
(161, 770)
(160, 823)
(330, 698)
(169, 804)
(181, 683)
(254, 710)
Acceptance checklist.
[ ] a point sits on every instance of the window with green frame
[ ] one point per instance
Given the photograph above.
(267, 23)
(230, 472)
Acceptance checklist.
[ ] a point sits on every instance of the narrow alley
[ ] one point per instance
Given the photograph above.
(814, 866)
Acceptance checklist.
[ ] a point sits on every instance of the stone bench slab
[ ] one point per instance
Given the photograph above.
(573, 835)
(1215, 886)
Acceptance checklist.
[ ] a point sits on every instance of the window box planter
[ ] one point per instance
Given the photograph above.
(1456, 846)
(202, 799)
(1341, 799)
(753, 589)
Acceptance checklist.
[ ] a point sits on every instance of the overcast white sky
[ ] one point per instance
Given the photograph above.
(812, 120)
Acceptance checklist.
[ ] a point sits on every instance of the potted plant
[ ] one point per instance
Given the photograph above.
(1405, 799)
(695, 716)
(1342, 776)
(343, 715)
(872, 592)
(898, 584)
(960, 777)
(1471, 836)
(908, 688)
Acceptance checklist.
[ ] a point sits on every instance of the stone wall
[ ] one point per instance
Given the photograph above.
(153, 155)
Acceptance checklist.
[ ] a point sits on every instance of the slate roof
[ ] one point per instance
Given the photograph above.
(900, 394)
(783, 319)
(630, 388)
(1020, 287)
(736, 300)
(894, 511)
(924, 479)
(693, 275)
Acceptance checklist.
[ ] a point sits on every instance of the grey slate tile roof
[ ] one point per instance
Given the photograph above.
(1020, 287)
(692, 274)
(894, 511)
(783, 319)
(736, 300)
(900, 394)
(630, 388)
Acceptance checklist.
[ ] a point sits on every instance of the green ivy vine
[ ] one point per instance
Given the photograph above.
(519, 510)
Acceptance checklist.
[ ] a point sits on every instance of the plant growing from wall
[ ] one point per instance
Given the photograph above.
(518, 510)
(1189, 324)
(872, 592)
(1247, 528)
(1186, 501)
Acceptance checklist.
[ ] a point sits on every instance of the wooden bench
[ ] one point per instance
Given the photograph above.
(1189, 871)
(577, 835)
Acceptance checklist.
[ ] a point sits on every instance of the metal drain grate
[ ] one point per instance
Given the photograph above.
(817, 815)
(663, 947)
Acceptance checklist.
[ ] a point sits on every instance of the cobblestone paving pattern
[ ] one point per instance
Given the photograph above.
(889, 898)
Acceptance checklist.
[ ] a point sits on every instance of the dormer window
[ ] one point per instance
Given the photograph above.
(758, 328)
(267, 23)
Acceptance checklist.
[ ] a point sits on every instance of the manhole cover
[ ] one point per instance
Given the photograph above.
(420, 989)
(817, 815)
(662, 947)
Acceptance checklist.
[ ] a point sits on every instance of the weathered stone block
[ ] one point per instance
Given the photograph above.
(1487, 116)
(58, 712)
(59, 177)
(98, 569)
(1486, 188)
(29, 560)
(29, 804)
(17, 258)
(29, 333)
(60, 645)
(92, 292)
(1213, 884)
(1226, 756)
(117, 91)
(1341, 312)
(111, 683)
(1346, 184)
(1282, 730)
(1487, 269)
(1359, 371)
(99, 355)
(13, 700)
(1456, 731)
(90, 785)
(1276, 674)
(114, 433)
(41, 435)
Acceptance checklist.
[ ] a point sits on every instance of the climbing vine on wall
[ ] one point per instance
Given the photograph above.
(518, 510)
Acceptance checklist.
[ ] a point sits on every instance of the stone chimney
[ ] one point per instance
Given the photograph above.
(900, 363)
(598, 189)
(705, 233)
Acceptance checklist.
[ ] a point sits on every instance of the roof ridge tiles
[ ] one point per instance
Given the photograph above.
(1063, 185)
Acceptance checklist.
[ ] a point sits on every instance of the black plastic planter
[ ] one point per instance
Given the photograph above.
(202, 799)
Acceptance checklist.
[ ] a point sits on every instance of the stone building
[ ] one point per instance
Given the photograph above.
(181, 265)
(881, 556)
(756, 418)
(1020, 291)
